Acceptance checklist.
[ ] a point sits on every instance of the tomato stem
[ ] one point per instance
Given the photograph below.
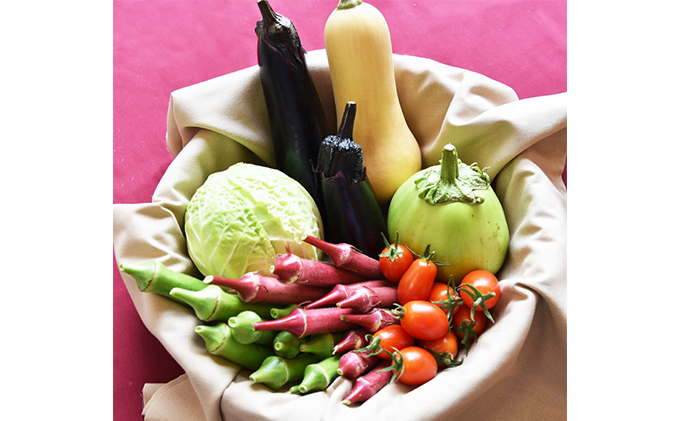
(392, 249)
(478, 298)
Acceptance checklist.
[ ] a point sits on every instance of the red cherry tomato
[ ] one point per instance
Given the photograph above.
(424, 320)
(446, 344)
(393, 337)
(445, 297)
(483, 294)
(395, 260)
(419, 366)
(467, 328)
(417, 282)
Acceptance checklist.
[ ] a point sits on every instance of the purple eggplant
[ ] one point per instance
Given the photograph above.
(354, 215)
(298, 123)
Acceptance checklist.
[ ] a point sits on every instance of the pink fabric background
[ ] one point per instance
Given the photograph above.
(161, 46)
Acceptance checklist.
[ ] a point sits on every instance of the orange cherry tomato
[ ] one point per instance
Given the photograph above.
(424, 320)
(393, 337)
(484, 293)
(447, 343)
(417, 282)
(419, 366)
(445, 297)
(395, 260)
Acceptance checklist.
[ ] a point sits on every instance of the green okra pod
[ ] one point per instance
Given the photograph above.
(276, 371)
(280, 313)
(286, 345)
(319, 376)
(322, 344)
(153, 276)
(212, 303)
(242, 329)
(219, 341)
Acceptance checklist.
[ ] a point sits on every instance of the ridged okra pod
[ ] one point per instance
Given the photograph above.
(219, 341)
(322, 344)
(286, 344)
(153, 276)
(242, 329)
(213, 303)
(276, 371)
(319, 376)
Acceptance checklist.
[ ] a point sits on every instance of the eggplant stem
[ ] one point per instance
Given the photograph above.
(268, 14)
(347, 125)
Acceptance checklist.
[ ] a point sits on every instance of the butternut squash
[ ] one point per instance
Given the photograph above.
(359, 50)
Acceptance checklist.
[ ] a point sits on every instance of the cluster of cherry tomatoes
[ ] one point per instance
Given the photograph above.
(434, 316)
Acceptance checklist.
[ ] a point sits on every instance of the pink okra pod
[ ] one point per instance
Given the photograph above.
(372, 321)
(368, 385)
(354, 363)
(341, 292)
(254, 287)
(347, 257)
(291, 269)
(353, 340)
(363, 299)
(303, 322)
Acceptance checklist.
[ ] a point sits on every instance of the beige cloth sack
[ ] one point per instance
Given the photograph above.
(517, 369)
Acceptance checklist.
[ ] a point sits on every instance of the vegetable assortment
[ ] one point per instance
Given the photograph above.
(306, 278)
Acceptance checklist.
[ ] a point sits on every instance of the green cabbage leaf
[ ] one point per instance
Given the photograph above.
(241, 218)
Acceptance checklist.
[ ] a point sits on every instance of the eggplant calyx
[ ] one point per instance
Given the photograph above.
(452, 180)
(279, 32)
(340, 154)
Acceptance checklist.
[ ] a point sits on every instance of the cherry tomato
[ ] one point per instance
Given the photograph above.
(393, 337)
(424, 320)
(419, 366)
(417, 282)
(445, 297)
(395, 259)
(466, 328)
(484, 293)
(444, 349)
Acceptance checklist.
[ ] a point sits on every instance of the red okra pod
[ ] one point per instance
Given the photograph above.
(308, 322)
(347, 257)
(372, 321)
(254, 287)
(355, 363)
(353, 340)
(291, 269)
(340, 292)
(368, 385)
(364, 299)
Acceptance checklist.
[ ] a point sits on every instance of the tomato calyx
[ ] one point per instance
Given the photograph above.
(374, 347)
(392, 249)
(450, 303)
(467, 329)
(446, 359)
(478, 298)
(397, 365)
